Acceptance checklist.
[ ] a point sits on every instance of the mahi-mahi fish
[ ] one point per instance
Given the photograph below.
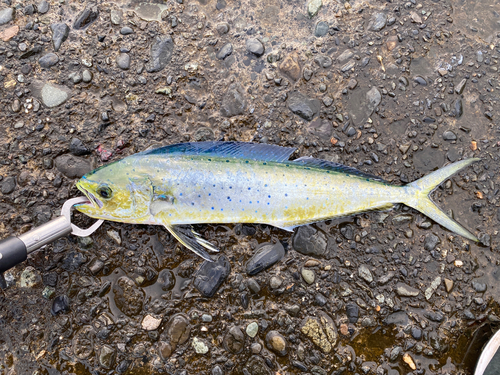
(235, 182)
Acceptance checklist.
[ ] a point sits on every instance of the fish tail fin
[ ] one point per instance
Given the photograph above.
(419, 199)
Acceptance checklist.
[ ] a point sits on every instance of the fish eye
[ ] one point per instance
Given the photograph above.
(104, 191)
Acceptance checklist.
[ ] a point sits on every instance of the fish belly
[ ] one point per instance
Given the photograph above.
(279, 194)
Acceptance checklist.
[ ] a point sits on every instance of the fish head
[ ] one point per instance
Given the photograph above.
(114, 195)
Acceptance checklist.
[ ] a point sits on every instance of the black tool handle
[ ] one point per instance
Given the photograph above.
(12, 252)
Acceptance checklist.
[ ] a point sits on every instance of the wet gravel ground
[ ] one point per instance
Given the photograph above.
(394, 88)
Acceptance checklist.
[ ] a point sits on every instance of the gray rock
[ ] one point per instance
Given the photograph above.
(303, 106)
(310, 241)
(431, 241)
(222, 28)
(399, 318)
(307, 73)
(60, 32)
(128, 297)
(234, 340)
(72, 166)
(253, 285)
(348, 66)
(30, 277)
(233, 102)
(8, 185)
(225, 51)
(123, 61)
(321, 29)
(265, 256)
(420, 80)
(275, 282)
(255, 46)
(126, 30)
(178, 330)
(459, 89)
(48, 60)
(365, 273)
(323, 61)
(107, 356)
(307, 275)
(448, 135)
(77, 148)
(404, 290)
(60, 305)
(313, 7)
(86, 18)
(161, 53)
(87, 76)
(384, 279)
(6, 15)
(344, 56)
(116, 16)
(42, 7)
(75, 77)
(252, 329)
(352, 312)
(458, 108)
(211, 275)
(374, 98)
(377, 22)
(53, 95)
(478, 286)
(257, 366)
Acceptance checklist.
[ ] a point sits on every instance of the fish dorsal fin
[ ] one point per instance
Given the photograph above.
(309, 161)
(243, 150)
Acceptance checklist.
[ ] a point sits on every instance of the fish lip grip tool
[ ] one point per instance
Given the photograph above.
(14, 250)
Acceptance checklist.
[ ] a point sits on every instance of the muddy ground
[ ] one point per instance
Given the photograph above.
(394, 88)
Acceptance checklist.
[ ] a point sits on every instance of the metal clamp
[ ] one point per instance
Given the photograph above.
(77, 231)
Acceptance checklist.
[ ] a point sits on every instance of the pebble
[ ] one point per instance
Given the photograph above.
(252, 329)
(255, 46)
(123, 61)
(166, 279)
(479, 286)
(225, 51)
(178, 330)
(290, 67)
(344, 56)
(432, 288)
(374, 98)
(127, 296)
(321, 29)
(52, 95)
(377, 22)
(365, 273)
(255, 348)
(116, 16)
(458, 107)
(8, 185)
(265, 256)
(107, 356)
(459, 89)
(126, 30)
(60, 305)
(9, 33)
(303, 106)
(42, 7)
(431, 241)
(77, 148)
(320, 330)
(253, 286)
(211, 275)
(75, 77)
(313, 7)
(72, 166)
(160, 53)
(277, 343)
(409, 361)
(448, 284)
(217, 370)
(86, 18)
(222, 28)
(60, 32)
(150, 323)
(199, 346)
(420, 80)
(234, 340)
(29, 277)
(307, 275)
(275, 282)
(165, 350)
(206, 318)
(233, 101)
(6, 15)
(384, 279)
(310, 241)
(404, 290)
(256, 365)
(352, 312)
(87, 76)
(323, 61)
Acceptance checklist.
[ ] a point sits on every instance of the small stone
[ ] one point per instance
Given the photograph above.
(290, 67)
(255, 46)
(9, 33)
(165, 350)
(75, 77)
(150, 323)
(252, 329)
(377, 22)
(253, 286)
(206, 318)
(431, 241)
(87, 76)
(60, 32)
(351, 85)
(222, 28)
(417, 19)
(458, 108)
(126, 30)
(60, 305)
(307, 275)
(313, 7)
(72, 166)
(29, 277)
(307, 73)
(420, 80)
(344, 56)
(225, 51)
(77, 148)
(346, 67)
(123, 61)
(409, 361)
(365, 273)
(128, 297)
(448, 285)
(478, 286)
(265, 256)
(52, 95)
(6, 15)
(404, 290)
(374, 98)
(256, 348)
(321, 330)
(384, 279)
(199, 346)
(303, 106)
(275, 282)
(391, 42)
(234, 340)
(8, 185)
(178, 330)
(42, 7)
(432, 288)
(310, 241)
(116, 17)
(276, 342)
(448, 135)
(86, 18)
(211, 275)
(352, 312)
(321, 29)
(107, 356)
(160, 53)
(166, 279)
(459, 89)
(327, 100)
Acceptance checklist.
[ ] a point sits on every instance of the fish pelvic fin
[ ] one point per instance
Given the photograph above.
(420, 190)
(187, 236)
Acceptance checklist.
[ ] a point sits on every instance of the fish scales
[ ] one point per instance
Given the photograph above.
(231, 182)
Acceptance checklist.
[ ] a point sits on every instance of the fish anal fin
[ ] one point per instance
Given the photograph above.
(192, 240)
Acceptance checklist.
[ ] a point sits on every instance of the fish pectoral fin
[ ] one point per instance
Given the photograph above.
(186, 235)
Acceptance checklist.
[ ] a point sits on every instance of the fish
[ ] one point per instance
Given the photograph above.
(237, 182)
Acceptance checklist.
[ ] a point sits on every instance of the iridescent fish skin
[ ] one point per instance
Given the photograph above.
(230, 182)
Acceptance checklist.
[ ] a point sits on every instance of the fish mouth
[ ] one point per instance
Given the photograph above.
(93, 200)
